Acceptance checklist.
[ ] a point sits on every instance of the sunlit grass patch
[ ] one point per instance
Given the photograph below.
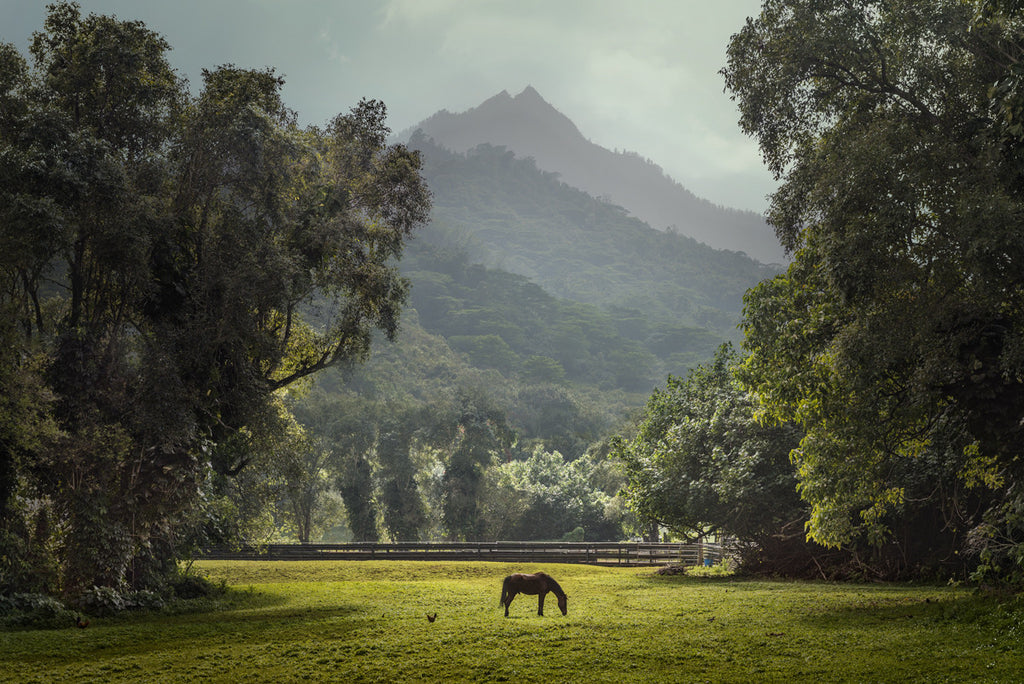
(354, 621)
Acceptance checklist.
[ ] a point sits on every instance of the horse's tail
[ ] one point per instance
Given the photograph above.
(504, 590)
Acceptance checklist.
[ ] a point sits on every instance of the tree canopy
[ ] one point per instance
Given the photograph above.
(168, 262)
(701, 463)
(895, 338)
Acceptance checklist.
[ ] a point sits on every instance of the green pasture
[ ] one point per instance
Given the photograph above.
(366, 622)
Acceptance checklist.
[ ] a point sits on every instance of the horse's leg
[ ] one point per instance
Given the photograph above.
(540, 602)
(508, 601)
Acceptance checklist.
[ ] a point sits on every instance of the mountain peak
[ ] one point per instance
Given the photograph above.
(504, 120)
(529, 100)
(529, 93)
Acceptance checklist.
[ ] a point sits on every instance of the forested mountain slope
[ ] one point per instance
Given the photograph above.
(505, 213)
(503, 321)
(530, 127)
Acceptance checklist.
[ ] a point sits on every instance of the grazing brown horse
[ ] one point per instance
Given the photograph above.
(538, 583)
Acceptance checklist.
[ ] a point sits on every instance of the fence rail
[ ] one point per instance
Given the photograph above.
(593, 553)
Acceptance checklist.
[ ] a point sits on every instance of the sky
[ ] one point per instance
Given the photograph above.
(639, 76)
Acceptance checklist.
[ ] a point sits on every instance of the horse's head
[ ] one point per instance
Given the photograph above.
(563, 604)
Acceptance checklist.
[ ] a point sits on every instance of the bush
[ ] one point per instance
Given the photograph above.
(102, 601)
(34, 610)
(144, 600)
(39, 611)
(106, 601)
(196, 586)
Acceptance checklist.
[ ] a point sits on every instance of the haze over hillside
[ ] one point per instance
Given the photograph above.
(504, 212)
(530, 127)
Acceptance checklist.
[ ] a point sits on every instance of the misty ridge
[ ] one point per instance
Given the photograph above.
(657, 302)
(529, 126)
(504, 213)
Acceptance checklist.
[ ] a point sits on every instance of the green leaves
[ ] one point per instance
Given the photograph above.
(112, 77)
(545, 497)
(163, 251)
(701, 462)
(891, 337)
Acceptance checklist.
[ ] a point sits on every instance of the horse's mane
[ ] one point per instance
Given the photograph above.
(555, 586)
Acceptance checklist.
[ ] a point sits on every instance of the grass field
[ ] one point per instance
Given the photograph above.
(366, 622)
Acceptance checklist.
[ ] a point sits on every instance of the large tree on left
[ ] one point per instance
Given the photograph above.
(168, 262)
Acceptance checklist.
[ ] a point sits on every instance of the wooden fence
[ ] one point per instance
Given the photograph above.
(593, 553)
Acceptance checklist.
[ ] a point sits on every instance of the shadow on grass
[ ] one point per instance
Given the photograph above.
(175, 609)
(240, 611)
(265, 622)
(999, 614)
(687, 580)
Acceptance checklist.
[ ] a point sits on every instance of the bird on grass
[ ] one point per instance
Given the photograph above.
(431, 618)
(81, 622)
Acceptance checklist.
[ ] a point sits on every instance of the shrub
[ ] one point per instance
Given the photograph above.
(144, 600)
(34, 610)
(196, 586)
(102, 601)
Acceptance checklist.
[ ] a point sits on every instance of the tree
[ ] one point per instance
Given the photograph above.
(895, 337)
(344, 430)
(173, 261)
(471, 432)
(405, 516)
(304, 465)
(701, 463)
(554, 415)
(545, 497)
(82, 205)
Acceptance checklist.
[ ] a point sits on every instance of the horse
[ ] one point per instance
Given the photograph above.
(538, 583)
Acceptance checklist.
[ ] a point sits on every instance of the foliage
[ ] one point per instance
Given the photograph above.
(338, 435)
(546, 497)
(404, 511)
(894, 338)
(299, 467)
(38, 611)
(416, 402)
(702, 464)
(43, 611)
(193, 586)
(472, 434)
(158, 251)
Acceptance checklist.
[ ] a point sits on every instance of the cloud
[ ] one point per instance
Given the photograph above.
(415, 12)
(640, 76)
